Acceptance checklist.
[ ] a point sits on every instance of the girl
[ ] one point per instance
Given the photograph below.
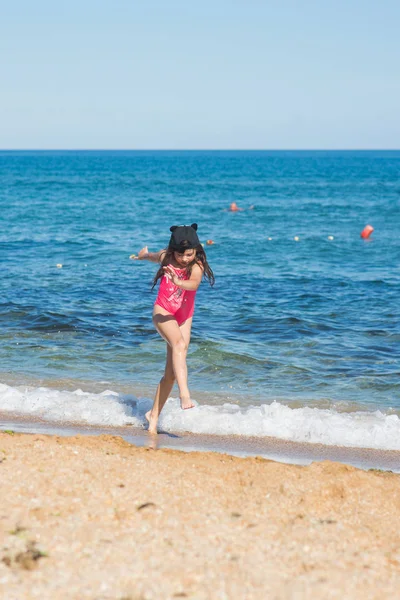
(183, 265)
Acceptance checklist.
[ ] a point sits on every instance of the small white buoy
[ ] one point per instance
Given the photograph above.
(296, 238)
(330, 238)
(269, 239)
(59, 266)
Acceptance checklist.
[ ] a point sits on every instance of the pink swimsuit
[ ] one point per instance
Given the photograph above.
(175, 300)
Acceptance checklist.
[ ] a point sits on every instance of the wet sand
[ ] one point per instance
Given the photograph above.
(96, 517)
(286, 451)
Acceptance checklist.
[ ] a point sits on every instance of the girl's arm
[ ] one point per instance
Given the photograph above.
(186, 284)
(144, 254)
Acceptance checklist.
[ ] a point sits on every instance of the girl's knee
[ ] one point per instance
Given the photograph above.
(180, 346)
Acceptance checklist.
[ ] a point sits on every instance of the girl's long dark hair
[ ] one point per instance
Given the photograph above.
(200, 259)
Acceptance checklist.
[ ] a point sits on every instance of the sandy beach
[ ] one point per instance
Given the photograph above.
(96, 517)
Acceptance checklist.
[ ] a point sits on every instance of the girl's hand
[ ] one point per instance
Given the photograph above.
(143, 254)
(170, 274)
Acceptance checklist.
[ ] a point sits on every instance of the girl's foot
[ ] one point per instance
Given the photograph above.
(186, 402)
(152, 423)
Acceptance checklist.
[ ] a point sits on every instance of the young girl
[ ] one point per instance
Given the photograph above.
(183, 265)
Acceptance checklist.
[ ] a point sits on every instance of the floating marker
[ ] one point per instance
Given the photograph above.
(366, 232)
(269, 239)
(59, 266)
(296, 238)
(330, 238)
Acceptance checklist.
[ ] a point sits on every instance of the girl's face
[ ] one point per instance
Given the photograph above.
(185, 258)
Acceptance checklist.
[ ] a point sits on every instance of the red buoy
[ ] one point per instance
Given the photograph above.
(366, 232)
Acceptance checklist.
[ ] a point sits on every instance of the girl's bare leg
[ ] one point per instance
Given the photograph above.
(163, 391)
(185, 330)
(177, 338)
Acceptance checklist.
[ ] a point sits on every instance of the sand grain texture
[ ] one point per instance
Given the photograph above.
(97, 518)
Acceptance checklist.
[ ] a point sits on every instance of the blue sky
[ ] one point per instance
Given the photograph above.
(213, 74)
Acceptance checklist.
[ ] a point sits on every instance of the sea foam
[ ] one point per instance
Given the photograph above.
(314, 425)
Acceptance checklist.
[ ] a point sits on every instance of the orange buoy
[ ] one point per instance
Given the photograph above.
(210, 242)
(366, 232)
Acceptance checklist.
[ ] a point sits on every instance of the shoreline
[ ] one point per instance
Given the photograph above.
(276, 449)
(89, 517)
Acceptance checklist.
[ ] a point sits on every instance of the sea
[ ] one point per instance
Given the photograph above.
(298, 340)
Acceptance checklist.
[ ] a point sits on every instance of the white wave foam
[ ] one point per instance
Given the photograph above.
(107, 408)
(314, 425)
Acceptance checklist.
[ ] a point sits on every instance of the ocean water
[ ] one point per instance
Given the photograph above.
(297, 339)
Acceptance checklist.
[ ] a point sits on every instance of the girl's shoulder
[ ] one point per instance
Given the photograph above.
(198, 266)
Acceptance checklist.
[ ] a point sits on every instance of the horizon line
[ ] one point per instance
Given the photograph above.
(199, 149)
